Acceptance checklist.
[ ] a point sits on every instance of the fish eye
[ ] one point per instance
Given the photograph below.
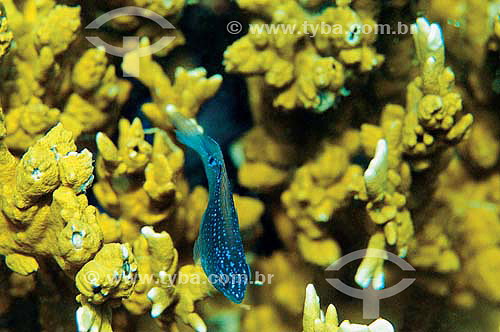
(212, 161)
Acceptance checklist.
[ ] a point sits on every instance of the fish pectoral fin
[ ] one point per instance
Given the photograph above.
(196, 252)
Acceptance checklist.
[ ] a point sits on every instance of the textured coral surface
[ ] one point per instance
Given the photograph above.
(363, 127)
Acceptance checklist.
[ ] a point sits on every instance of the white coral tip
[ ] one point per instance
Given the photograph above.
(348, 327)
(149, 232)
(311, 295)
(84, 319)
(435, 38)
(124, 252)
(381, 325)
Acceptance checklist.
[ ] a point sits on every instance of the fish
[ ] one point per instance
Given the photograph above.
(219, 247)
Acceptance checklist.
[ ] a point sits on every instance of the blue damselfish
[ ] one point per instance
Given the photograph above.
(219, 247)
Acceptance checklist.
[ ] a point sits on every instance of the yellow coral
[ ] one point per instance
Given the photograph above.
(434, 247)
(319, 189)
(143, 276)
(482, 148)
(433, 107)
(308, 76)
(125, 194)
(98, 94)
(263, 318)
(93, 318)
(321, 252)
(134, 26)
(249, 210)
(315, 320)
(191, 292)
(156, 258)
(190, 90)
(27, 123)
(284, 281)
(5, 33)
(194, 208)
(39, 88)
(265, 160)
(317, 192)
(111, 274)
(58, 36)
(430, 124)
(317, 180)
(64, 226)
